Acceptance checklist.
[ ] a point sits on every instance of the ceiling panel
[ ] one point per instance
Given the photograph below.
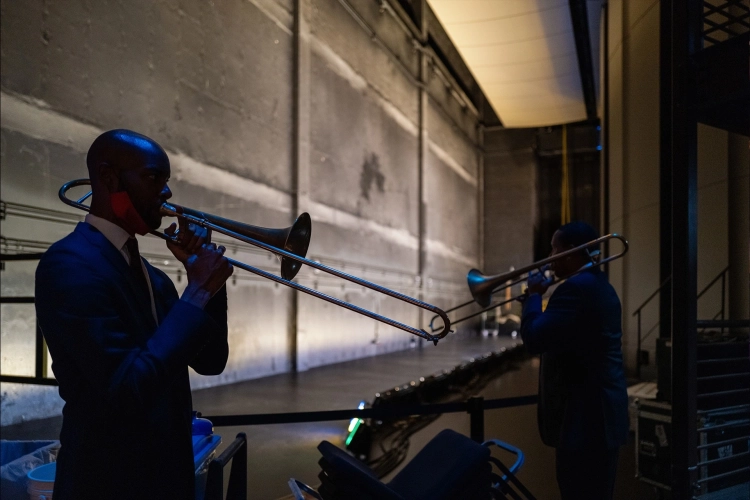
(523, 55)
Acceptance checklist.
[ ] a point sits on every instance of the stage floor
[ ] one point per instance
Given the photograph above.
(279, 452)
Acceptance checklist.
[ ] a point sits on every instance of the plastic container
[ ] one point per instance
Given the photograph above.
(42, 482)
(205, 443)
(17, 459)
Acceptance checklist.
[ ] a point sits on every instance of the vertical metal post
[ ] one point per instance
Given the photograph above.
(723, 296)
(237, 487)
(665, 170)
(423, 141)
(39, 355)
(604, 177)
(476, 418)
(685, 37)
(638, 353)
(301, 150)
(480, 195)
(214, 482)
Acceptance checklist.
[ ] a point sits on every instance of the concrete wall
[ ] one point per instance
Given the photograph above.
(510, 199)
(215, 84)
(633, 60)
(634, 157)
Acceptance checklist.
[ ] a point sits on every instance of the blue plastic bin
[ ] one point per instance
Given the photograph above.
(17, 458)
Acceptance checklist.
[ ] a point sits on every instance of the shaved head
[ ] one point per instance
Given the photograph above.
(122, 149)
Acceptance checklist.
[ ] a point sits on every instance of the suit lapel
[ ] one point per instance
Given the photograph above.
(140, 304)
(156, 288)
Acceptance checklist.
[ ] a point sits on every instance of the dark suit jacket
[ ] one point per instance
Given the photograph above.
(583, 402)
(127, 417)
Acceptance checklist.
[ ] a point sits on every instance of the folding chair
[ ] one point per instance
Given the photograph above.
(450, 467)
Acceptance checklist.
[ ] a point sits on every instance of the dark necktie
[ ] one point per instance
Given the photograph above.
(136, 268)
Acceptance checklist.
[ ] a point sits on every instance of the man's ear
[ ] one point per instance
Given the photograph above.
(109, 177)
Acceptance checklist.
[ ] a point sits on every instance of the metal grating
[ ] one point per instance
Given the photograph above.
(724, 19)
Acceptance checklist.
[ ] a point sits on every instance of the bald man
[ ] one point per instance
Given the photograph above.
(121, 338)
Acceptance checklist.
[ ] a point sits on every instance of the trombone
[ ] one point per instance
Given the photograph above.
(290, 245)
(482, 287)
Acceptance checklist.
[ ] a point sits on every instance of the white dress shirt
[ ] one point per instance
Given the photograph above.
(119, 237)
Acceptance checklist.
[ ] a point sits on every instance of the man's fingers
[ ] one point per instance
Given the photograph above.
(183, 224)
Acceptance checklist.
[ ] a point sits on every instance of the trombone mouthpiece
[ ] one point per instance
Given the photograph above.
(169, 210)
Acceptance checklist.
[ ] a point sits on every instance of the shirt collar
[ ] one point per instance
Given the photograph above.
(588, 265)
(114, 233)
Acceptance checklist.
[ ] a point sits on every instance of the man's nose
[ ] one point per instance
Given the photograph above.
(166, 193)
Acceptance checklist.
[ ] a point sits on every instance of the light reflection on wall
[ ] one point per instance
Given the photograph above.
(232, 144)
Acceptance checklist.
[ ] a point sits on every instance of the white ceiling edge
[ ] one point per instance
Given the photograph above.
(522, 54)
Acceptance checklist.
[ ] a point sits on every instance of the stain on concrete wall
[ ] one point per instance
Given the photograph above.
(370, 175)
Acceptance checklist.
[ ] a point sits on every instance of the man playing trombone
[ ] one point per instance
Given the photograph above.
(121, 338)
(583, 400)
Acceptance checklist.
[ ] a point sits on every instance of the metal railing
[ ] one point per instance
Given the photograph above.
(641, 338)
(40, 346)
(722, 309)
(237, 487)
(474, 406)
(720, 316)
(724, 19)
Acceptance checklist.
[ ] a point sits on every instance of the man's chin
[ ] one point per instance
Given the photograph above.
(154, 223)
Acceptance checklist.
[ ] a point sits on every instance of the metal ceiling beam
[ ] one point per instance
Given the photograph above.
(579, 17)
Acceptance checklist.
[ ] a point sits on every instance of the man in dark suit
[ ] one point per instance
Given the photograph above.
(121, 338)
(582, 390)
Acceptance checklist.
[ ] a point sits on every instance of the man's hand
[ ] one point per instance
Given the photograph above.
(190, 238)
(538, 283)
(207, 271)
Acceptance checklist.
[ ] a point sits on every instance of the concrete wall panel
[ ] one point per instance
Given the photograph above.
(509, 201)
(452, 210)
(362, 160)
(447, 141)
(713, 209)
(165, 72)
(634, 162)
(336, 28)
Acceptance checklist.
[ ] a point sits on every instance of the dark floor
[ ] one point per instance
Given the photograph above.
(278, 452)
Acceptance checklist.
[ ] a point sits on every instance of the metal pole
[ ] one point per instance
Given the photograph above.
(476, 415)
(301, 152)
(39, 357)
(684, 38)
(422, 153)
(665, 170)
(638, 354)
(723, 296)
(237, 487)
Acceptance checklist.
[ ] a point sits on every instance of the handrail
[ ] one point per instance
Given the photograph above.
(663, 283)
(637, 312)
(723, 323)
(474, 406)
(40, 347)
(6, 257)
(705, 289)
(237, 488)
(701, 323)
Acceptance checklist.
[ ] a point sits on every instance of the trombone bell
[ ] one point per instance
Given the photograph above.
(480, 287)
(294, 239)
